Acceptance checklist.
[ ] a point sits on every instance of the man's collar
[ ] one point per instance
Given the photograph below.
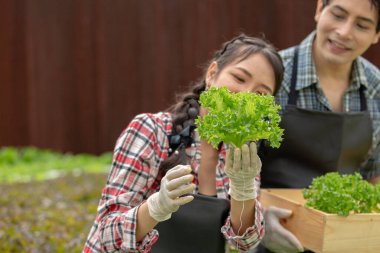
(307, 75)
(358, 76)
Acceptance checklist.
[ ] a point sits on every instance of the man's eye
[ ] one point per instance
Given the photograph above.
(362, 27)
(338, 16)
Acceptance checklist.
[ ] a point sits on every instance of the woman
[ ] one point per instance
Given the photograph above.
(157, 160)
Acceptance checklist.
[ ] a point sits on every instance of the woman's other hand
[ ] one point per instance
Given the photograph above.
(174, 187)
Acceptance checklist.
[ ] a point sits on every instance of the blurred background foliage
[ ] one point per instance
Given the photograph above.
(48, 199)
(31, 163)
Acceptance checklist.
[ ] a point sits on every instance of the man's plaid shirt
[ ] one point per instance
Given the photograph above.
(311, 96)
(138, 153)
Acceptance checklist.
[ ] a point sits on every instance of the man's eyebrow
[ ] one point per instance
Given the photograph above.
(245, 71)
(366, 19)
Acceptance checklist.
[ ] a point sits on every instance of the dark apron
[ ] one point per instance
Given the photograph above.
(194, 228)
(315, 143)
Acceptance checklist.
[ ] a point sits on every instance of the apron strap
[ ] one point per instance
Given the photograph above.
(363, 100)
(293, 94)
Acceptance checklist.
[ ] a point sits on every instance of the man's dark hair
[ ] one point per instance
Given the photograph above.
(375, 3)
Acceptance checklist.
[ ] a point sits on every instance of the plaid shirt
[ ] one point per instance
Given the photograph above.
(311, 95)
(134, 176)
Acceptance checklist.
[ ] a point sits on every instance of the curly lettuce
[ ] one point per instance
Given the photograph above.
(342, 194)
(237, 118)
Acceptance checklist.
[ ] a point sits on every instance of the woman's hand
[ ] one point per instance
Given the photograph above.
(242, 167)
(175, 184)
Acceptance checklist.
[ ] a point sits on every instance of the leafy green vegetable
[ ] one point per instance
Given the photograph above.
(343, 194)
(236, 118)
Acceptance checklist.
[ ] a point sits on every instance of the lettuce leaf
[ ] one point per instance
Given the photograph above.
(342, 194)
(236, 118)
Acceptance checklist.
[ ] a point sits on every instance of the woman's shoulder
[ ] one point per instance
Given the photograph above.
(147, 127)
(160, 118)
(161, 121)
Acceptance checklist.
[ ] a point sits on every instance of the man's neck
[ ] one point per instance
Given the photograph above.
(326, 69)
(334, 80)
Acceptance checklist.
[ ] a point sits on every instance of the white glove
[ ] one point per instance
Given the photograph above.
(174, 184)
(242, 166)
(277, 238)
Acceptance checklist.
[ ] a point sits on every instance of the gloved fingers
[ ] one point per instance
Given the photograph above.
(183, 200)
(182, 190)
(253, 148)
(255, 159)
(177, 182)
(290, 238)
(230, 156)
(177, 171)
(279, 213)
(237, 159)
(246, 157)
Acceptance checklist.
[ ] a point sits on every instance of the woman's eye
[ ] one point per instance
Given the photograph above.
(239, 79)
(263, 92)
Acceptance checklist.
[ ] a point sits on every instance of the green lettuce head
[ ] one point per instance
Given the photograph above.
(236, 118)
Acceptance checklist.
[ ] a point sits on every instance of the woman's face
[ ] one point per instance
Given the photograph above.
(253, 74)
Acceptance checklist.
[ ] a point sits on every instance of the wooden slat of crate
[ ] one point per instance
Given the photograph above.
(322, 232)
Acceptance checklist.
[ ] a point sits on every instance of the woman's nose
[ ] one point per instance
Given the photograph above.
(248, 90)
(253, 88)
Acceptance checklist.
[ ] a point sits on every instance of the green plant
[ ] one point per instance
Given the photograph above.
(54, 215)
(31, 163)
(236, 118)
(343, 194)
(51, 215)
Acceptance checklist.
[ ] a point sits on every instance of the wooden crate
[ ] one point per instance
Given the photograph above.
(322, 232)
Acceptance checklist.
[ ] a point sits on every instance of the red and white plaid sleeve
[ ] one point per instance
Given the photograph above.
(252, 236)
(132, 179)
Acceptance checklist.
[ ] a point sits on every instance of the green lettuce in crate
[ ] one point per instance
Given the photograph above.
(236, 118)
(342, 194)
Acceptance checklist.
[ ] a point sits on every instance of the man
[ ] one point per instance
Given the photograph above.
(331, 108)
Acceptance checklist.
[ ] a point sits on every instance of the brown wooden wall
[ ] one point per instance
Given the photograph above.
(74, 72)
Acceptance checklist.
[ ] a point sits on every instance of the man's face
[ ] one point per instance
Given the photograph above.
(345, 30)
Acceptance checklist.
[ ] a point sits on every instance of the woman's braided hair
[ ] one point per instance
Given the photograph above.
(186, 110)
